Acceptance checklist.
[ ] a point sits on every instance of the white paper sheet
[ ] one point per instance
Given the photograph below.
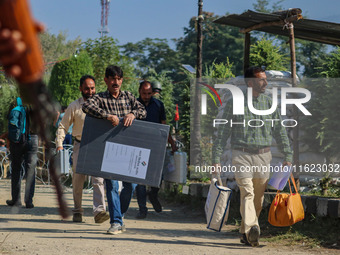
(125, 160)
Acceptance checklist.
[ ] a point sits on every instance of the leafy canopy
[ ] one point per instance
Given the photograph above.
(64, 81)
(265, 53)
(104, 52)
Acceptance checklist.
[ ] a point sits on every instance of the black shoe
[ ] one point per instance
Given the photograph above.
(155, 203)
(29, 205)
(254, 235)
(141, 215)
(12, 203)
(77, 217)
(243, 239)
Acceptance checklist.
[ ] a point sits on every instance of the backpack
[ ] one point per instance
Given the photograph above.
(17, 123)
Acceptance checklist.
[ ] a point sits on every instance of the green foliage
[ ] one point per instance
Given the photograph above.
(8, 93)
(64, 82)
(331, 68)
(104, 52)
(152, 54)
(57, 47)
(2, 78)
(219, 70)
(263, 6)
(167, 90)
(264, 53)
(312, 56)
(322, 128)
(216, 73)
(184, 113)
(219, 42)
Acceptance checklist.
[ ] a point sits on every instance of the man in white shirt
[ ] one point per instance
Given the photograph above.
(75, 115)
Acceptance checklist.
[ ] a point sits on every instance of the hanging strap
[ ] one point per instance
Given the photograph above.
(219, 180)
(293, 181)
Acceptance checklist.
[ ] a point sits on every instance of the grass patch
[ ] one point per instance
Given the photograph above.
(312, 232)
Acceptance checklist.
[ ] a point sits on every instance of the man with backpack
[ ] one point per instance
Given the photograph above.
(23, 149)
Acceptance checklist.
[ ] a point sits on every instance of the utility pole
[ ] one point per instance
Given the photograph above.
(196, 132)
(295, 109)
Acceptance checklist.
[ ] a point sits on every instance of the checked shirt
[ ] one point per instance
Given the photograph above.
(103, 104)
(245, 136)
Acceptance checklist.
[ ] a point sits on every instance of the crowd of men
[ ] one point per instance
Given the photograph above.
(251, 146)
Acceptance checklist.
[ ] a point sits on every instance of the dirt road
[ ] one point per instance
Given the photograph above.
(176, 230)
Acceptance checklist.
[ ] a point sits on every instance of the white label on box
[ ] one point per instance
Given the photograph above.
(125, 160)
(185, 190)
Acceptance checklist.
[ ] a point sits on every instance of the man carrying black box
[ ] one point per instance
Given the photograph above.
(112, 105)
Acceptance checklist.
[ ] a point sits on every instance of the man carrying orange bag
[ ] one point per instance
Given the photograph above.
(251, 150)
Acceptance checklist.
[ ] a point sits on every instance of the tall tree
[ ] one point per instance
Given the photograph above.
(57, 47)
(263, 6)
(311, 57)
(103, 52)
(152, 54)
(64, 81)
(219, 43)
(265, 53)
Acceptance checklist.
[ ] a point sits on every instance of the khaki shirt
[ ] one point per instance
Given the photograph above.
(73, 115)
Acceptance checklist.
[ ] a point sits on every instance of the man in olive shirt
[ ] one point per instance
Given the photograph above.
(75, 115)
(251, 148)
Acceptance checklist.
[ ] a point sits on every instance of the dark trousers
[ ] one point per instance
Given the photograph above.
(141, 196)
(27, 153)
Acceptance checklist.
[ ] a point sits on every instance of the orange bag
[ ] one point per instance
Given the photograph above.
(286, 209)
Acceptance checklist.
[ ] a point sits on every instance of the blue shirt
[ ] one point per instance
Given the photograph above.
(59, 120)
(155, 110)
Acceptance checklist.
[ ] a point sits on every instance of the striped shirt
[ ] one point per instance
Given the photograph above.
(245, 136)
(104, 104)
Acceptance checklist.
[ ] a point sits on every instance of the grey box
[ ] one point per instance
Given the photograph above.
(62, 162)
(97, 133)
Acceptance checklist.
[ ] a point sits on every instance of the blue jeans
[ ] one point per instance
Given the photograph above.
(68, 139)
(26, 152)
(118, 205)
